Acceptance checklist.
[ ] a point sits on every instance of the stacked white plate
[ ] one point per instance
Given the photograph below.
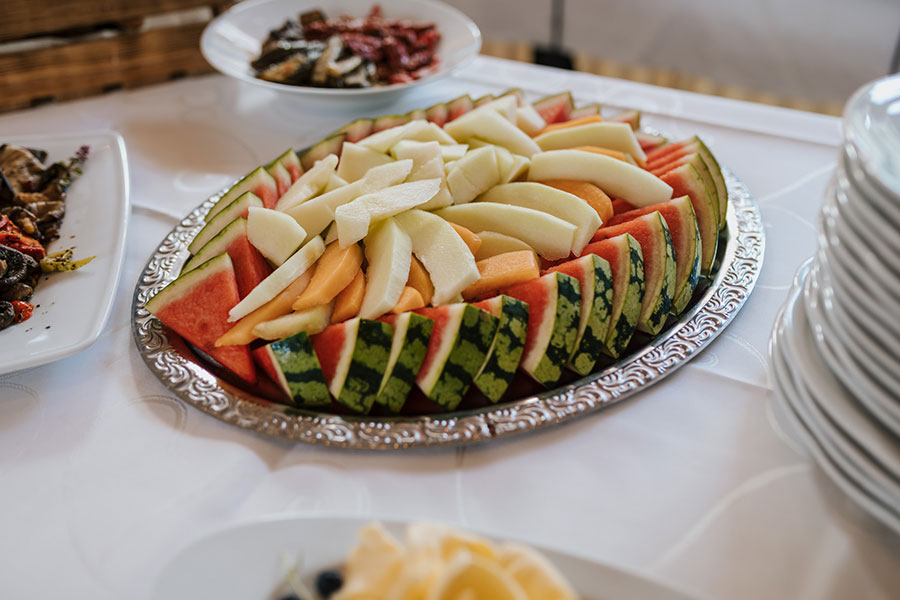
(835, 349)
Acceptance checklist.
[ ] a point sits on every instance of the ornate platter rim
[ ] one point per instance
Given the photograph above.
(740, 262)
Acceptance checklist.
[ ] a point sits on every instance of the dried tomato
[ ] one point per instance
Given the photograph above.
(23, 310)
(12, 236)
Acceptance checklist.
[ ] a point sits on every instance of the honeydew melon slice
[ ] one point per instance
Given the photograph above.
(433, 169)
(506, 348)
(551, 237)
(275, 234)
(473, 174)
(453, 151)
(490, 126)
(315, 214)
(493, 243)
(258, 181)
(334, 182)
(389, 252)
(528, 120)
(408, 347)
(442, 251)
(383, 140)
(239, 207)
(595, 277)
(615, 136)
(353, 356)
(554, 308)
(312, 321)
(279, 279)
(298, 371)
(356, 160)
(633, 184)
(249, 266)
(353, 219)
(309, 184)
(418, 152)
(505, 106)
(652, 232)
(626, 262)
(511, 166)
(195, 306)
(679, 216)
(460, 339)
(430, 133)
(537, 196)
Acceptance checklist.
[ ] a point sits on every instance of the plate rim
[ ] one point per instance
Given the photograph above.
(337, 93)
(740, 264)
(121, 171)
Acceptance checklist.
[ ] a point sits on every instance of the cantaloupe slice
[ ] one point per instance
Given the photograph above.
(335, 269)
(348, 302)
(311, 320)
(501, 271)
(572, 123)
(590, 193)
(242, 331)
(468, 236)
(410, 299)
(419, 280)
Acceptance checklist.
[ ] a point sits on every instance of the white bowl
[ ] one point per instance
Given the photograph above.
(234, 38)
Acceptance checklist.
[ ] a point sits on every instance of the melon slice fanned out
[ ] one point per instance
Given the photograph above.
(679, 216)
(196, 305)
(554, 307)
(459, 343)
(507, 347)
(595, 277)
(353, 355)
(652, 232)
(249, 265)
(687, 181)
(626, 262)
(297, 370)
(408, 347)
(675, 154)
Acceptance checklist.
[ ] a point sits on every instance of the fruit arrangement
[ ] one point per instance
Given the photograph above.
(461, 254)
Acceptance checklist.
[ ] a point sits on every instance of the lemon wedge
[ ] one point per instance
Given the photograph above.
(474, 577)
(373, 565)
(536, 575)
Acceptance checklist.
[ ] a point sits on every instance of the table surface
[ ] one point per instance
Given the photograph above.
(105, 474)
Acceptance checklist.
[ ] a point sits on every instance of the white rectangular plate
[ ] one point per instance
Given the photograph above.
(71, 308)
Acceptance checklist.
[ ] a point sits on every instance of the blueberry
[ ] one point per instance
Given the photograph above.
(328, 582)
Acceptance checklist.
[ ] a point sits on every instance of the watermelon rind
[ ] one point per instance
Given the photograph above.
(408, 348)
(458, 107)
(585, 111)
(248, 183)
(388, 121)
(356, 130)
(630, 116)
(453, 371)
(481, 101)
(238, 207)
(217, 245)
(506, 348)
(330, 145)
(437, 113)
(367, 364)
(556, 108)
(291, 162)
(686, 181)
(301, 375)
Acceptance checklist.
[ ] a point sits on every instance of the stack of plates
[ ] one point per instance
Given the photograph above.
(835, 348)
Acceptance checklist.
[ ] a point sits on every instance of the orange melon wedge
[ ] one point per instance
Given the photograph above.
(349, 300)
(501, 271)
(587, 191)
(335, 269)
(573, 123)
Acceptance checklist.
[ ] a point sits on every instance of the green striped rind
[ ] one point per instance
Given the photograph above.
(412, 331)
(565, 330)
(473, 339)
(247, 183)
(715, 172)
(370, 358)
(656, 311)
(506, 348)
(623, 323)
(330, 145)
(596, 301)
(686, 292)
(300, 368)
(237, 208)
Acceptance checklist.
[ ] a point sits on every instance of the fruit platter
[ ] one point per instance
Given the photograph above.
(461, 273)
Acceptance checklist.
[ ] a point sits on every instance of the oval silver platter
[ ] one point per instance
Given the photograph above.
(737, 268)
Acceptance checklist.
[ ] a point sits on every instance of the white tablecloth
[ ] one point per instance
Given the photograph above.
(104, 473)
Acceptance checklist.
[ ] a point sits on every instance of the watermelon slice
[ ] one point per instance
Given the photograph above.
(239, 207)
(438, 114)
(671, 153)
(259, 182)
(408, 348)
(330, 145)
(196, 305)
(297, 370)
(652, 232)
(585, 111)
(388, 121)
(357, 130)
(353, 355)
(291, 162)
(595, 278)
(460, 340)
(649, 141)
(281, 176)
(686, 181)
(679, 216)
(265, 360)
(482, 100)
(506, 348)
(556, 108)
(458, 107)
(630, 116)
(661, 168)
(554, 308)
(626, 262)
(249, 265)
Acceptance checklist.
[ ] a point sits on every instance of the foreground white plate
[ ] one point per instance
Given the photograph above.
(234, 38)
(244, 561)
(71, 308)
